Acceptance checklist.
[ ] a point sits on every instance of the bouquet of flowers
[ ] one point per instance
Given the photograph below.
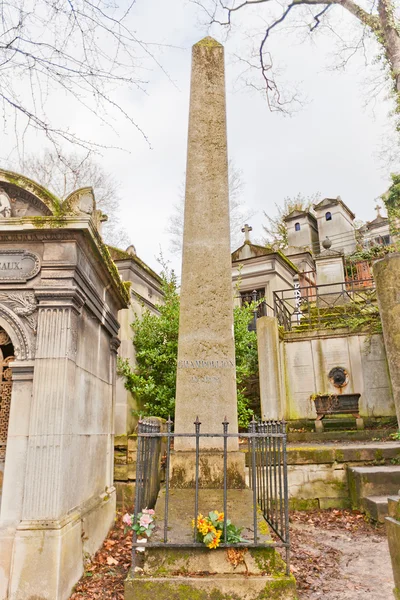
(211, 528)
(143, 525)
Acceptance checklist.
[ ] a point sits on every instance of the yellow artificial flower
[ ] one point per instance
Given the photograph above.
(215, 542)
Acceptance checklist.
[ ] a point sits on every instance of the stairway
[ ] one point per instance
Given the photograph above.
(370, 488)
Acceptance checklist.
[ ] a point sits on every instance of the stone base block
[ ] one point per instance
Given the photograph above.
(360, 423)
(176, 573)
(47, 556)
(233, 587)
(183, 469)
(393, 535)
(7, 535)
(46, 564)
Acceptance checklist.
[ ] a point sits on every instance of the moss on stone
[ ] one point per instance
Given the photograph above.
(209, 42)
(169, 591)
(120, 440)
(48, 222)
(269, 561)
(118, 254)
(303, 503)
(49, 199)
(274, 589)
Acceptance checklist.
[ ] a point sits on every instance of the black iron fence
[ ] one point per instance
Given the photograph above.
(266, 475)
(328, 305)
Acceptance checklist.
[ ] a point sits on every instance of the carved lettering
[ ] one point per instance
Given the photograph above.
(18, 265)
(206, 364)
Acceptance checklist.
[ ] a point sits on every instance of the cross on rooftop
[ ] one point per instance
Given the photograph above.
(378, 210)
(246, 230)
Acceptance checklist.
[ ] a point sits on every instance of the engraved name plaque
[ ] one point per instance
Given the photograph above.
(18, 266)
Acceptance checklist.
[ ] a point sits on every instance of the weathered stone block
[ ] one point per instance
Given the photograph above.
(183, 470)
(211, 588)
(120, 457)
(121, 473)
(393, 534)
(125, 495)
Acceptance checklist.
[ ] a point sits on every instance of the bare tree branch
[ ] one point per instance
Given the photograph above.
(83, 48)
(381, 20)
(64, 173)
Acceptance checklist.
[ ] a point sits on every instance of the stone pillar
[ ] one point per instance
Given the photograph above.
(269, 368)
(53, 393)
(50, 531)
(387, 278)
(206, 375)
(330, 268)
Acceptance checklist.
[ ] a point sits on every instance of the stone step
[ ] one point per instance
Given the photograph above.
(339, 424)
(394, 506)
(376, 507)
(365, 482)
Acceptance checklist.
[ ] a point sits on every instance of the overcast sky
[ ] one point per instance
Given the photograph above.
(330, 146)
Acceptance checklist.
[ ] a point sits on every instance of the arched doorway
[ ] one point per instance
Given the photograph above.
(6, 356)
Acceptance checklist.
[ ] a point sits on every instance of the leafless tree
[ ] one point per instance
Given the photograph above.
(72, 172)
(378, 19)
(275, 229)
(238, 212)
(83, 50)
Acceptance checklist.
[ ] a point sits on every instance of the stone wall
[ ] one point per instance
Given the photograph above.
(145, 294)
(307, 358)
(125, 450)
(317, 475)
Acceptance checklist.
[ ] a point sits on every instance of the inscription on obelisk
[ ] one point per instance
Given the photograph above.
(206, 375)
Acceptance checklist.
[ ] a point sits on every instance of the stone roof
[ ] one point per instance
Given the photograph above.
(119, 255)
(377, 222)
(327, 202)
(255, 251)
(296, 214)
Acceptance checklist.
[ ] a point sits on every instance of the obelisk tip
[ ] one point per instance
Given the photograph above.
(209, 41)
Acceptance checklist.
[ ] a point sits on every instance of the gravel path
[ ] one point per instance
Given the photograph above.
(355, 565)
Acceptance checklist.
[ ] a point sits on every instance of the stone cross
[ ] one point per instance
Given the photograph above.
(378, 210)
(206, 373)
(246, 230)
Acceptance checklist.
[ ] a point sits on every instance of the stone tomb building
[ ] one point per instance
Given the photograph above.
(145, 294)
(60, 294)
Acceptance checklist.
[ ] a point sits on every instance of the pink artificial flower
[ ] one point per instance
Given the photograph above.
(127, 519)
(148, 511)
(145, 520)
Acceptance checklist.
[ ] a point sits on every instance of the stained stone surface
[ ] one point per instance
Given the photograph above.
(206, 377)
(203, 574)
(387, 277)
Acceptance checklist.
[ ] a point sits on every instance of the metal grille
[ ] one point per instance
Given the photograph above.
(328, 305)
(148, 466)
(265, 443)
(268, 474)
(5, 403)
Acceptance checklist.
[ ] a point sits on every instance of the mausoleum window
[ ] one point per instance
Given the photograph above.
(297, 226)
(328, 216)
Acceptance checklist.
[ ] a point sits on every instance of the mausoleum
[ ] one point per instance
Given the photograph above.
(60, 294)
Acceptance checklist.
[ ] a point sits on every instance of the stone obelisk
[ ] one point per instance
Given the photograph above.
(206, 376)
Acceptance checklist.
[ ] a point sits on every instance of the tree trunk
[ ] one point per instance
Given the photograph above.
(391, 38)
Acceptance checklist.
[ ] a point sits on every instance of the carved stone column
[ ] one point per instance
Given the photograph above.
(53, 393)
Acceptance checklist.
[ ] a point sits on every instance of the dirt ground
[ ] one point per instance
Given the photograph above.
(336, 555)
